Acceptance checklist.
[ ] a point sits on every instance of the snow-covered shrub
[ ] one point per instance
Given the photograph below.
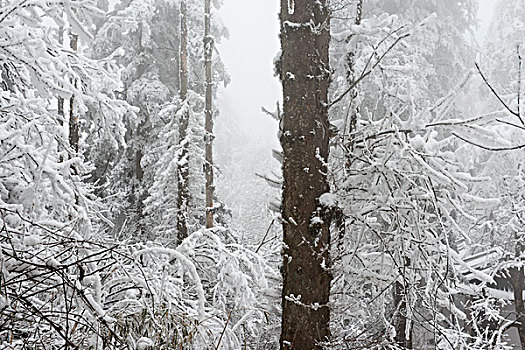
(399, 180)
(58, 289)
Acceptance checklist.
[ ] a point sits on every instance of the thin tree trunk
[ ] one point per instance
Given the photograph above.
(305, 37)
(350, 123)
(403, 337)
(60, 100)
(139, 172)
(183, 168)
(73, 113)
(518, 285)
(208, 166)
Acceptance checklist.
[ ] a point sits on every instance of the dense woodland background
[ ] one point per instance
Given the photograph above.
(397, 221)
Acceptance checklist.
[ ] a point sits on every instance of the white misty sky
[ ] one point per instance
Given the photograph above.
(249, 53)
(486, 10)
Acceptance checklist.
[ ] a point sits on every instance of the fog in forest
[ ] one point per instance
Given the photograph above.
(262, 174)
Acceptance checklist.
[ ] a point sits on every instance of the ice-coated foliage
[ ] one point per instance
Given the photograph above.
(504, 43)
(65, 282)
(41, 174)
(59, 289)
(426, 170)
(442, 46)
(137, 37)
(400, 183)
(200, 293)
(500, 226)
(161, 204)
(144, 38)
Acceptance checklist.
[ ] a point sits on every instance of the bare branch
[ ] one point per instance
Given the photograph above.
(492, 149)
(366, 72)
(511, 124)
(275, 115)
(497, 95)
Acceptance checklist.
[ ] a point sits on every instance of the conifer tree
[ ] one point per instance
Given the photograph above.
(208, 112)
(183, 161)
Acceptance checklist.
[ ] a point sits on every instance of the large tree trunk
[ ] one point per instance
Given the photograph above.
(305, 37)
(182, 164)
(208, 166)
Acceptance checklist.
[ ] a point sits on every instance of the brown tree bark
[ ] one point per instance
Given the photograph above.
(183, 168)
(208, 111)
(60, 100)
(518, 285)
(350, 123)
(139, 172)
(304, 67)
(73, 113)
(402, 338)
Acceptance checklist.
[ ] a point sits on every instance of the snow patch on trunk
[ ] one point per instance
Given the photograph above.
(291, 7)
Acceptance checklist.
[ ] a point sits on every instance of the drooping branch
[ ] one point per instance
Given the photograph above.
(492, 149)
(507, 107)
